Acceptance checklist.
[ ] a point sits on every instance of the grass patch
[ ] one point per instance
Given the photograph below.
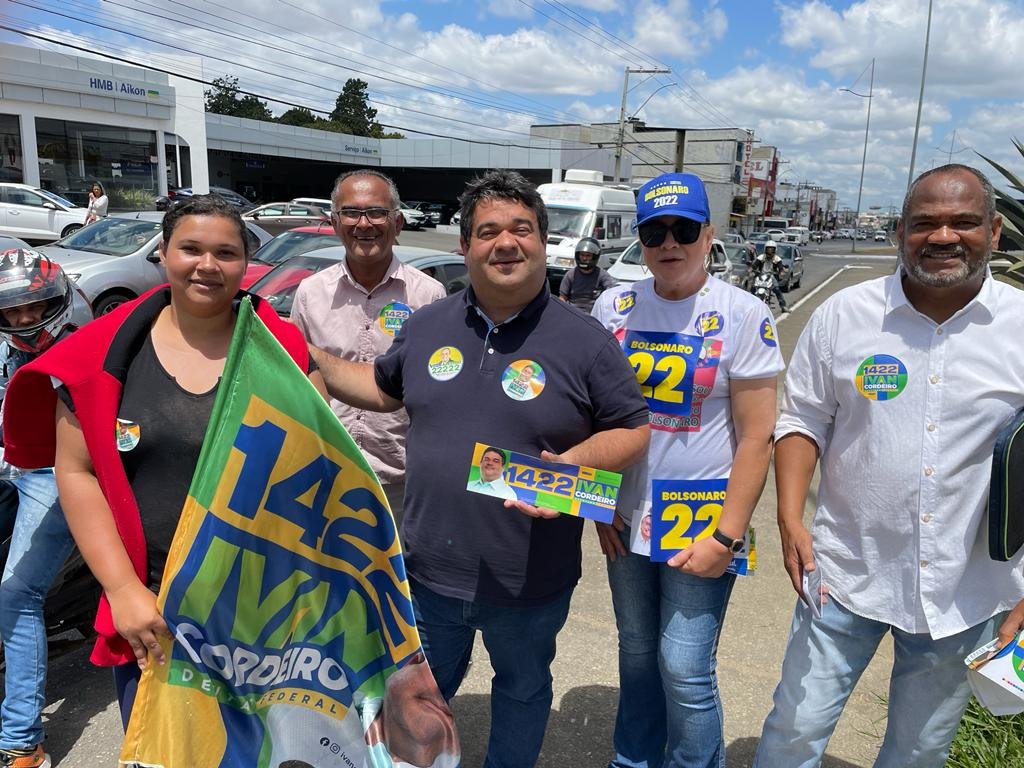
(987, 741)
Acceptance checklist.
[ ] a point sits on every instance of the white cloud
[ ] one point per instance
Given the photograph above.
(673, 29)
(893, 32)
(510, 9)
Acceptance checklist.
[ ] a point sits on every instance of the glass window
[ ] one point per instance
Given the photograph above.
(10, 149)
(301, 210)
(568, 222)
(114, 236)
(614, 227)
(16, 196)
(270, 210)
(74, 155)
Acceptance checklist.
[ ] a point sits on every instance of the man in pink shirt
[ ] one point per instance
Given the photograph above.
(355, 308)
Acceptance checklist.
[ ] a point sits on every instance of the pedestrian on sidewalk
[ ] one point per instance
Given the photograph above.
(36, 306)
(898, 387)
(669, 615)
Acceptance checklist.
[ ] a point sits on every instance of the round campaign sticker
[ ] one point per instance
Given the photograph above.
(881, 377)
(625, 302)
(1018, 657)
(392, 316)
(767, 333)
(444, 364)
(709, 324)
(523, 380)
(128, 434)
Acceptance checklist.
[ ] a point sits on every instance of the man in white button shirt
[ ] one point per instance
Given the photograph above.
(899, 385)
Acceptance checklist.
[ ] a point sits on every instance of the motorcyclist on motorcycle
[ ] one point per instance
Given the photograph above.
(771, 258)
(586, 281)
(36, 301)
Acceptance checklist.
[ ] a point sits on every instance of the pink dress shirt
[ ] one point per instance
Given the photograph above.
(337, 314)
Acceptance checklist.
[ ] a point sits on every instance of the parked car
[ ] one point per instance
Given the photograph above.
(115, 259)
(286, 245)
(32, 213)
(778, 235)
(7, 243)
(793, 264)
(818, 236)
(279, 284)
(238, 201)
(280, 217)
(456, 218)
(629, 267)
(881, 236)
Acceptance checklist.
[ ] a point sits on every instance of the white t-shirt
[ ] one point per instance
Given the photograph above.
(686, 352)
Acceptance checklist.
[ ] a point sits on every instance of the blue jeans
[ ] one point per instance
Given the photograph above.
(521, 644)
(40, 545)
(669, 624)
(928, 690)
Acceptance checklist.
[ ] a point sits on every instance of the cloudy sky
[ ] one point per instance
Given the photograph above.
(489, 69)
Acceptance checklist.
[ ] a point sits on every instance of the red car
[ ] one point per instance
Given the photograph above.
(288, 244)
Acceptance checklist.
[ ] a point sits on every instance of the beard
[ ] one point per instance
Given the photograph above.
(965, 271)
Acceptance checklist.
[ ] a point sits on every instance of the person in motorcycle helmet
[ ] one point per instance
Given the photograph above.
(35, 312)
(772, 258)
(584, 283)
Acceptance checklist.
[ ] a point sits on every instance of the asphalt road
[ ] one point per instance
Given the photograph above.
(84, 729)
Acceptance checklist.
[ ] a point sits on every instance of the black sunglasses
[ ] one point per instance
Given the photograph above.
(684, 231)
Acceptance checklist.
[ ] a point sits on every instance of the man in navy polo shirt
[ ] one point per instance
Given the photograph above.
(502, 363)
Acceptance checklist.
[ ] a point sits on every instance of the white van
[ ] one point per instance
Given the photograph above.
(583, 206)
(798, 235)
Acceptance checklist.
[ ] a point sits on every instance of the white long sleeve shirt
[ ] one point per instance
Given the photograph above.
(905, 413)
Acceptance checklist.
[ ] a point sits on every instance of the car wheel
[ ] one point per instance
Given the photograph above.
(109, 302)
(69, 229)
(797, 283)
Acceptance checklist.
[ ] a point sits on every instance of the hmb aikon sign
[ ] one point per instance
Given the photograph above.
(121, 88)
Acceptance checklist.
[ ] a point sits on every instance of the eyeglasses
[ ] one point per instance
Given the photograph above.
(684, 232)
(373, 215)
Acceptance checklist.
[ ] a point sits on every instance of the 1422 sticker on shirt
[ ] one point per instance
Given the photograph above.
(686, 511)
(393, 316)
(566, 488)
(881, 377)
(664, 363)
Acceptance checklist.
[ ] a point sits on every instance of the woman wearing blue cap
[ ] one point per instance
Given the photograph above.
(706, 356)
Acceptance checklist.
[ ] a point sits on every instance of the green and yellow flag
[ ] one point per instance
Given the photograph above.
(294, 637)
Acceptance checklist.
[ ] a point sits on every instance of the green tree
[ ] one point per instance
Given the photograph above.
(224, 99)
(1012, 211)
(299, 116)
(353, 109)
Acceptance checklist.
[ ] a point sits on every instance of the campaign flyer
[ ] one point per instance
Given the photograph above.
(567, 488)
(996, 676)
(685, 511)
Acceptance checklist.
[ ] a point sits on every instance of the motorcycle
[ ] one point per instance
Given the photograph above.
(764, 282)
(72, 598)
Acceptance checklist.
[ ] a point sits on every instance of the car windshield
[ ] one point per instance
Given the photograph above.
(736, 253)
(632, 254)
(568, 222)
(289, 244)
(113, 236)
(279, 284)
(55, 197)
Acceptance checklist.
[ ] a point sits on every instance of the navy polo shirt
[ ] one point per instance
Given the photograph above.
(455, 373)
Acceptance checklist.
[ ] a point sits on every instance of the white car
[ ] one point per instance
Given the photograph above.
(413, 219)
(629, 267)
(881, 236)
(32, 213)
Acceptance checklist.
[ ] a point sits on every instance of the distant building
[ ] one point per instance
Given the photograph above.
(717, 155)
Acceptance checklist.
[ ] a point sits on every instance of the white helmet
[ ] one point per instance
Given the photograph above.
(770, 244)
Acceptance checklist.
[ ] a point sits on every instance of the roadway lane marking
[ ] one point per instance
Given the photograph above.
(817, 288)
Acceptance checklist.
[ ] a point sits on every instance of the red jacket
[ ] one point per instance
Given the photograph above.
(92, 364)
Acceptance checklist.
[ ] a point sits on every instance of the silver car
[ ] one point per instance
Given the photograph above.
(115, 259)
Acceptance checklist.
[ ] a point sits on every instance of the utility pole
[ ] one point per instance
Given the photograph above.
(920, 97)
(620, 137)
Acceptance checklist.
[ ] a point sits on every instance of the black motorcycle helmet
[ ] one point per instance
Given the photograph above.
(28, 277)
(588, 251)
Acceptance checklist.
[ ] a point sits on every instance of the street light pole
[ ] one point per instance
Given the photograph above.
(920, 97)
(864, 156)
(620, 137)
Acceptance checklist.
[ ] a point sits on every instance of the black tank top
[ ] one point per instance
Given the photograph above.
(160, 432)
